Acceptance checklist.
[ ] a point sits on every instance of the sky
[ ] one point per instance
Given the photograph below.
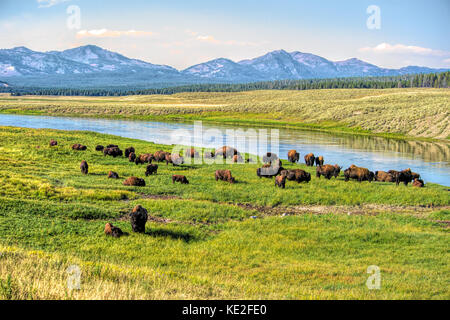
(181, 33)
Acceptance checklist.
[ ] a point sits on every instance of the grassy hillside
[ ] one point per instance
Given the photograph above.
(396, 112)
(202, 240)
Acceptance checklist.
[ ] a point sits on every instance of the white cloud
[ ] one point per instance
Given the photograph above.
(49, 3)
(105, 33)
(401, 48)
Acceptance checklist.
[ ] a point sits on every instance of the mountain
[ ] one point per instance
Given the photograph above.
(92, 66)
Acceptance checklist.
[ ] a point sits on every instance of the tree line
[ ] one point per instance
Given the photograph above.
(431, 80)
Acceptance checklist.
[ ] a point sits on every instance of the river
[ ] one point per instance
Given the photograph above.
(430, 159)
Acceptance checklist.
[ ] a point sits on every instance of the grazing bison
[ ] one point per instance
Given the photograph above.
(160, 156)
(79, 147)
(134, 182)
(404, 176)
(132, 157)
(99, 148)
(224, 175)
(293, 156)
(144, 158)
(383, 176)
(84, 167)
(177, 159)
(179, 178)
(53, 143)
(298, 175)
(319, 161)
(113, 231)
(309, 159)
(113, 151)
(226, 152)
(151, 169)
(418, 183)
(113, 175)
(357, 173)
(128, 151)
(280, 181)
(328, 171)
(415, 175)
(138, 219)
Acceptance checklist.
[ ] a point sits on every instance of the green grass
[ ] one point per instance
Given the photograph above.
(397, 113)
(202, 242)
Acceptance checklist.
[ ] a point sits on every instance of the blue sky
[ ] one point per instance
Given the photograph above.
(183, 33)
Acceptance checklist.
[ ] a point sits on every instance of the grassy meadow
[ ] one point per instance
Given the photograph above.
(207, 239)
(416, 112)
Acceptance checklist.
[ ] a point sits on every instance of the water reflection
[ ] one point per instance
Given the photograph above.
(431, 159)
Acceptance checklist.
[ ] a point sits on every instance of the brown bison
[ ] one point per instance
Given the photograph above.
(415, 175)
(309, 159)
(53, 143)
(280, 181)
(293, 156)
(99, 148)
(79, 147)
(298, 175)
(226, 152)
(134, 182)
(113, 175)
(383, 176)
(179, 178)
(418, 183)
(144, 158)
(319, 161)
(113, 231)
(224, 175)
(151, 169)
(328, 171)
(84, 167)
(404, 176)
(138, 219)
(128, 151)
(113, 151)
(357, 173)
(160, 156)
(132, 157)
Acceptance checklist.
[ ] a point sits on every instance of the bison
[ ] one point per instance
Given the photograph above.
(99, 148)
(293, 156)
(134, 182)
(128, 151)
(226, 152)
(298, 175)
(238, 159)
(53, 143)
(357, 173)
(404, 176)
(224, 175)
(309, 159)
(268, 171)
(84, 167)
(280, 181)
(113, 151)
(418, 183)
(138, 219)
(144, 158)
(179, 178)
(113, 231)
(328, 171)
(160, 156)
(383, 176)
(132, 157)
(319, 161)
(79, 147)
(151, 169)
(113, 175)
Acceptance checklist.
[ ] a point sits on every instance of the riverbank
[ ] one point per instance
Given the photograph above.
(207, 239)
(419, 114)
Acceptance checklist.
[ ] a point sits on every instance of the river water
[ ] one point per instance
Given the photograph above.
(430, 159)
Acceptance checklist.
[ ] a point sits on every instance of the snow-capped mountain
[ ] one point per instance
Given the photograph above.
(94, 66)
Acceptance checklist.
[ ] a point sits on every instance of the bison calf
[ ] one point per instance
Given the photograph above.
(280, 181)
(418, 183)
(84, 167)
(113, 175)
(179, 178)
(113, 231)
